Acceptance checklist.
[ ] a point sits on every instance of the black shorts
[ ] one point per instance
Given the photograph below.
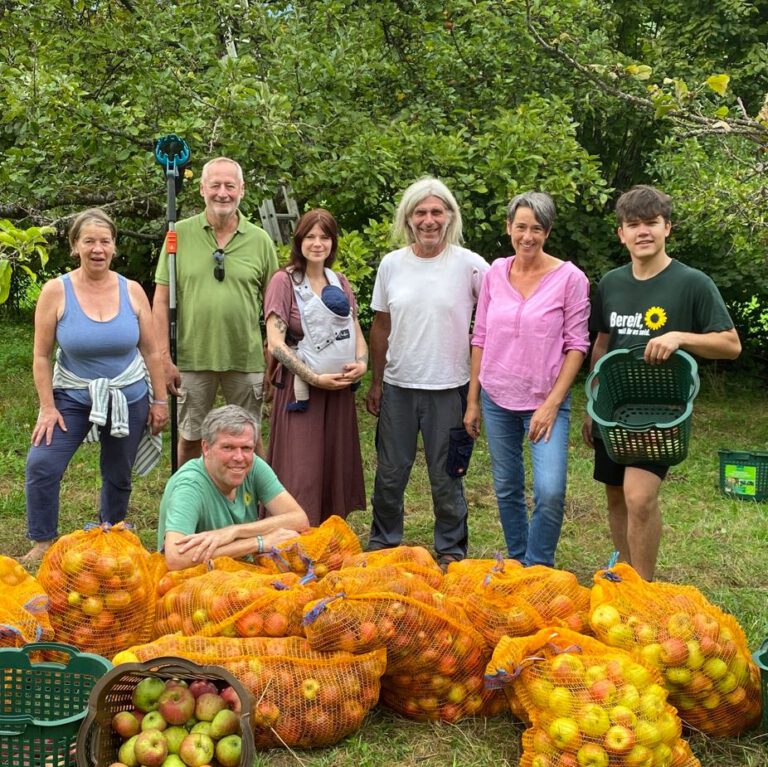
(609, 472)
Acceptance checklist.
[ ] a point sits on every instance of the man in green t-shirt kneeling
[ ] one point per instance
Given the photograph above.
(210, 507)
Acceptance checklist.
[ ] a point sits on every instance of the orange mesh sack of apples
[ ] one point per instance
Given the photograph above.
(391, 578)
(241, 603)
(463, 577)
(23, 606)
(413, 559)
(321, 548)
(100, 589)
(701, 652)
(435, 659)
(588, 704)
(519, 601)
(301, 697)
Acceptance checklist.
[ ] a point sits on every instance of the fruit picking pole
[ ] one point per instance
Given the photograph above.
(172, 153)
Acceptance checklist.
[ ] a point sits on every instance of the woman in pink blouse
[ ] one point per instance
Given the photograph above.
(530, 339)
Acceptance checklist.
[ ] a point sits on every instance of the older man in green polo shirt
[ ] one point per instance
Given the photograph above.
(222, 271)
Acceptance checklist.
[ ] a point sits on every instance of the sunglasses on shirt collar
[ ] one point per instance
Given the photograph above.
(218, 266)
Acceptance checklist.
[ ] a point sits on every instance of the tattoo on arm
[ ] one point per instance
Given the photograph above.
(287, 358)
(362, 358)
(281, 325)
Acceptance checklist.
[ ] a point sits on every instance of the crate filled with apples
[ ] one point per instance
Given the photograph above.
(168, 712)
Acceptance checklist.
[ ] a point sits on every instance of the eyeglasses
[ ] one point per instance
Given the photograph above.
(218, 267)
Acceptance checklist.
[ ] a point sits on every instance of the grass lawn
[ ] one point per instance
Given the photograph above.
(716, 544)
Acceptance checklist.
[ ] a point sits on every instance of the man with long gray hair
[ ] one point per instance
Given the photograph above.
(423, 300)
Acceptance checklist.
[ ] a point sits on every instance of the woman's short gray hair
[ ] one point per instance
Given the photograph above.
(412, 196)
(229, 419)
(542, 205)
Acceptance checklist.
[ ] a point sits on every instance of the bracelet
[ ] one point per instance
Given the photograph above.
(260, 543)
(158, 402)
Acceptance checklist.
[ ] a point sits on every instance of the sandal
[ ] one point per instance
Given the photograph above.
(35, 555)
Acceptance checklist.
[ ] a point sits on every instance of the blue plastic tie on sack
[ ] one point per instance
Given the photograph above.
(314, 613)
(609, 575)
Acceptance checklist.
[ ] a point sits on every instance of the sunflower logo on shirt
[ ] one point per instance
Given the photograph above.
(247, 498)
(655, 318)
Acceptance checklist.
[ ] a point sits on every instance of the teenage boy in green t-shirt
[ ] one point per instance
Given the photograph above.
(210, 506)
(664, 305)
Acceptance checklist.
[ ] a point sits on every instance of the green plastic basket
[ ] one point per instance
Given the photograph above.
(761, 659)
(643, 412)
(43, 704)
(744, 474)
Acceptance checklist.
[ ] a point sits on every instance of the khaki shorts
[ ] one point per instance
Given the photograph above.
(198, 394)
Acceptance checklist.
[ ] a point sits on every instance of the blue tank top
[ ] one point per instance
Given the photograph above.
(93, 349)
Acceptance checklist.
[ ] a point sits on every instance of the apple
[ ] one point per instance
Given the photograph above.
(628, 695)
(560, 701)
(126, 753)
(173, 760)
(619, 739)
(645, 633)
(695, 655)
(651, 655)
(647, 733)
(603, 617)
(700, 685)
(208, 705)
(565, 734)
(678, 676)
(173, 737)
(542, 743)
(652, 705)
(266, 714)
(154, 720)
(594, 720)
(712, 701)
(202, 727)
(715, 668)
(674, 651)
(620, 635)
(232, 698)
(147, 693)
(638, 675)
(176, 704)
(309, 688)
(125, 724)
(228, 751)
(740, 669)
(175, 683)
(150, 748)
(199, 686)
(196, 750)
(638, 756)
(566, 667)
(592, 755)
(622, 715)
(602, 691)
(594, 673)
(540, 689)
(669, 727)
(662, 755)
(226, 722)
(680, 625)
(706, 626)
(541, 760)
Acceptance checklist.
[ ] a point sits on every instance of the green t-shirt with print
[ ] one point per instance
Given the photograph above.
(193, 504)
(679, 298)
(218, 321)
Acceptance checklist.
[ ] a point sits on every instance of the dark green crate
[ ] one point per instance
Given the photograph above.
(761, 659)
(744, 474)
(643, 412)
(43, 704)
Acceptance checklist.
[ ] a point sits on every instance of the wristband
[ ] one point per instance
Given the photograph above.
(158, 402)
(260, 543)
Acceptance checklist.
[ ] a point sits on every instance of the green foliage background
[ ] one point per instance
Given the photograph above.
(349, 101)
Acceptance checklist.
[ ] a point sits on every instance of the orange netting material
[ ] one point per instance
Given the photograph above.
(321, 548)
(391, 578)
(301, 697)
(23, 606)
(520, 601)
(414, 559)
(99, 587)
(589, 704)
(240, 603)
(435, 659)
(464, 577)
(701, 652)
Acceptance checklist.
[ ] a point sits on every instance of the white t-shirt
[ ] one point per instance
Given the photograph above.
(430, 303)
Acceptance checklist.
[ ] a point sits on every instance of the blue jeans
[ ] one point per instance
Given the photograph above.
(46, 465)
(534, 543)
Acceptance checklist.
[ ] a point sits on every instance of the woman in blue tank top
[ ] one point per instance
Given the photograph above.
(102, 325)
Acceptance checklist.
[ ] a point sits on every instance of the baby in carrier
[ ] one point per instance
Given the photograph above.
(329, 334)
